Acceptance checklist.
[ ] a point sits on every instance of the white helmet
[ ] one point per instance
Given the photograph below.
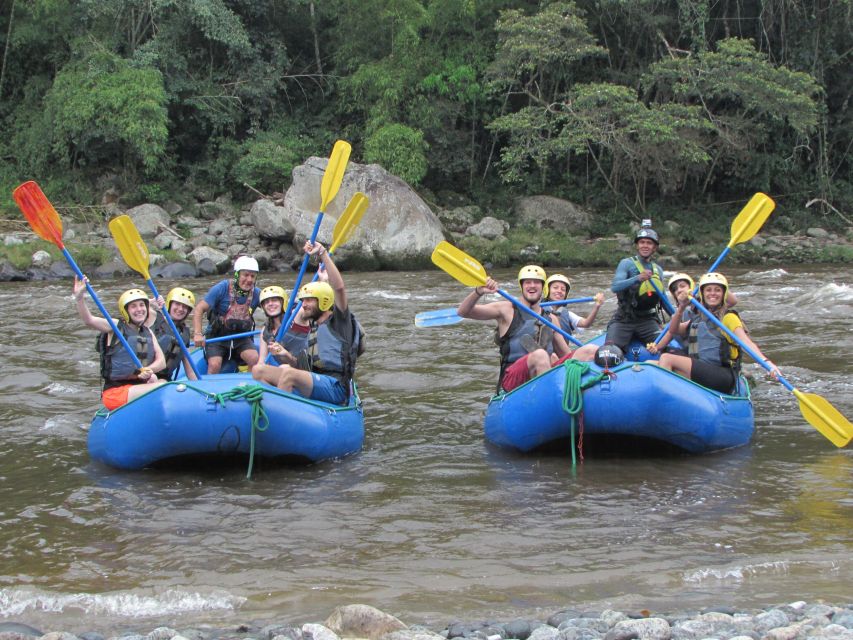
(245, 263)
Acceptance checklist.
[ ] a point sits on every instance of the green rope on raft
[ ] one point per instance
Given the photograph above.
(573, 393)
(253, 394)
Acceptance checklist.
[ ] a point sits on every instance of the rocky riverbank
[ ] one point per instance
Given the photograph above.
(398, 231)
(794, 621)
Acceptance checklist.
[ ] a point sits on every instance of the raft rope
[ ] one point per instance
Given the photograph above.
(253, 394)
(573, 398)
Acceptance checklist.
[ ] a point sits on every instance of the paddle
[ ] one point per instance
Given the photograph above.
(332, 178)
(471, 273)
(233, 336)
(135, 253)
(815, 409)
(744, 227)
(344, 228)
(441, 317)
(45, 221)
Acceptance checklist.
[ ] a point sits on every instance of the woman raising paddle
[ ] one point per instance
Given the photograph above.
(712, 359)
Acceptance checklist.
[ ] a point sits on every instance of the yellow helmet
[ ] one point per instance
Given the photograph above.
(272, 292)
(534, 272)
(678, 277)
(131, 295)
(714, 278)
(322, 291)
(557, 277)
(179, 294)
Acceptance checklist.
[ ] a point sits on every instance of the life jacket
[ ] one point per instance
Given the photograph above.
(509, 344)
(170, 346)
(117, 367)
(562, 317)
(641, 299)
(707, 342)
(328, 353)
(237, 318)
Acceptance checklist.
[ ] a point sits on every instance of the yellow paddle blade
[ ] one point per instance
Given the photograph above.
(751, 218)
(38, 211)
(334, 174)
(130, 244)
(458, 264)
(825, 418)
(347, 223)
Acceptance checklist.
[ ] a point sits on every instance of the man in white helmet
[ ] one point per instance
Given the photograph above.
(229, 305)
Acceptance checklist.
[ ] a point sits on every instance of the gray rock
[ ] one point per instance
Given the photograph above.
(213, 210)
(162, 633)
(489, 228)
(844, 618)
(220, 260)
(622, 634)
(817, 232)
(271, 222)
(60, 270)
(411, 634)
(42, 259)
(460, 218)
(23, 630)
(544, 633)
(770, 620)
(12, 241)
(149, 219)
(318, 632)
(556, 619)
(113, 269)
(519, 629)
(647, 628)
(174, 271)
(163, 240)
(206, 267)
(548, 212)
(362, 621)
(398, 228)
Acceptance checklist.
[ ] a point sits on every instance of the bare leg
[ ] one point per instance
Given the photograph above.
(141, 389)
(266, 373)
(291, 378)
(214, 364)
(585, 353)
(538, 362)
(681, 365)
(250, 357)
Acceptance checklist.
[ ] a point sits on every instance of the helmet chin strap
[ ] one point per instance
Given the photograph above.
(240, 292)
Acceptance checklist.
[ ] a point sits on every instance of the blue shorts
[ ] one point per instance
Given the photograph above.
(328, 389)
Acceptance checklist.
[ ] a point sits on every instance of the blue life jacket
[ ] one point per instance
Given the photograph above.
(509, 344)
(707, 342)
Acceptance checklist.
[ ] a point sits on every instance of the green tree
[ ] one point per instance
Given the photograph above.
(105, 112)
(400, 149)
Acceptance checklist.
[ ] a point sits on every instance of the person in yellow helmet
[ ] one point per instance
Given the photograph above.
(321, 364)
(713, 359)
(123, 382)
(179, 303)
(525, 344)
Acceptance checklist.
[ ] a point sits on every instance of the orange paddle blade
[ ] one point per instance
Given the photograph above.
(38, 211)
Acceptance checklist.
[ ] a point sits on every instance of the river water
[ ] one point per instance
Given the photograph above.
(427, 522)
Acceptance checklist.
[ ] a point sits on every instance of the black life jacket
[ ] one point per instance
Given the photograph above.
(641, 299)
(117, 367)
(170, 346)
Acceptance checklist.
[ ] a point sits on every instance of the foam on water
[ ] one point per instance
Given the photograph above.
(59, 388)
(736, 573)
(770, 274)
(14, 602)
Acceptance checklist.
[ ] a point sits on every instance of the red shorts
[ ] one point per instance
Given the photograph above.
(516, 374)
(115, 397)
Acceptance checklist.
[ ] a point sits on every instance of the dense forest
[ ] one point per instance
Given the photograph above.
(628, 106)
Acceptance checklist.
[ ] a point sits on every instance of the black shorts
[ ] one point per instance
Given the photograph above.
(620, 331)
(713, 376)
(228, 349)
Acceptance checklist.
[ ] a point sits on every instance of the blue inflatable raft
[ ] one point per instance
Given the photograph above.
(636, 401)
(225, 415)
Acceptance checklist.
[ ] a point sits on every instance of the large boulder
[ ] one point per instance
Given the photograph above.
(398, 230)
(201, 255)
(149, 219)
(270, 221)
(547, 212)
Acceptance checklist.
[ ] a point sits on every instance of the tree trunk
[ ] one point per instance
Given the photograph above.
(316, 39)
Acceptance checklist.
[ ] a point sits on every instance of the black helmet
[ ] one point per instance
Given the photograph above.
(647, 232)
(609, 356)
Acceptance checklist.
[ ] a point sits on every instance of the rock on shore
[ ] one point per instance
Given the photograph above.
(795, 621)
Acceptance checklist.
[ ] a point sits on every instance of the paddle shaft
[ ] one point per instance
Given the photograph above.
(101, 308)
(184, 350)
(557, 303)
(541, 319)
(233, 336)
